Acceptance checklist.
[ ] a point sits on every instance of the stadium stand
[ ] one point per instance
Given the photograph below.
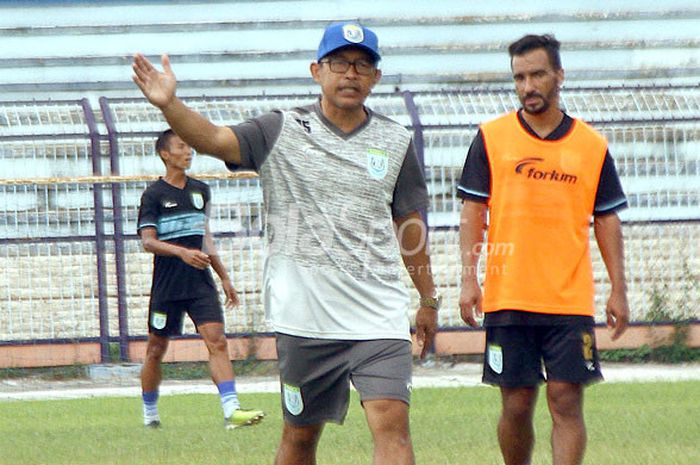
(58, 48)
(72, 267)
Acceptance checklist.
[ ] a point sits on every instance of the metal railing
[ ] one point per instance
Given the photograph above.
(71, 178)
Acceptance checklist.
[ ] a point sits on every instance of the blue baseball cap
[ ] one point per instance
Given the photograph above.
(345, 34)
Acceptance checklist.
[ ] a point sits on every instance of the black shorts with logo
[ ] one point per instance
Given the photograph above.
(516, 354)
(165, 318)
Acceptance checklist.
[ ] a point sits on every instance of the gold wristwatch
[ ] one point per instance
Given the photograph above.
(433, 301)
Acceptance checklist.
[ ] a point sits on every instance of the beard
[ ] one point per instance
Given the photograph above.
(535, 109)
(543, 106)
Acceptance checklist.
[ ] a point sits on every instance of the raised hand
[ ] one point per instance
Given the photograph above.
(158, 87)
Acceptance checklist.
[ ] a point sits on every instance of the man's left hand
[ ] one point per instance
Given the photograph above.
(231, 294)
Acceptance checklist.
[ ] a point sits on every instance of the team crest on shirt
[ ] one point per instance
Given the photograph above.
(495, 358)
(353, 33)
(197, 200)
(292, 399)
(377, 163)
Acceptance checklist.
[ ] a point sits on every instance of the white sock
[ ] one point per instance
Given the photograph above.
(150, 414)
(229, 398)
(150, 407)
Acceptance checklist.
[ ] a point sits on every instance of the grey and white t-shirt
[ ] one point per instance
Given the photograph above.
(333, 265)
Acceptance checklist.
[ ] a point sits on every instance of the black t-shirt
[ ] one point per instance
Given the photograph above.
(179, 217)
(475, 185)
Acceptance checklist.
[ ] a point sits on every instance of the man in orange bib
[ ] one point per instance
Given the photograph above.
(541, 175)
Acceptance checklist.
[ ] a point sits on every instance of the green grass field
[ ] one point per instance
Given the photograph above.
(628, 424)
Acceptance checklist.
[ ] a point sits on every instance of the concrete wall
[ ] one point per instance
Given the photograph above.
(263, 348)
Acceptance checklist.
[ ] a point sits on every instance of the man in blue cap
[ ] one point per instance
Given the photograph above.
(343, 189)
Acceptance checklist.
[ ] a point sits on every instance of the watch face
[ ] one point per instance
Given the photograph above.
(432, 302)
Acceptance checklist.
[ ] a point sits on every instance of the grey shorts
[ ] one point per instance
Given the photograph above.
(315, 375)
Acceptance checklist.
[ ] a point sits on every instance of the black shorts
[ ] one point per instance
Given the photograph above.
(315, 375)
(165, 318)
(515, 355)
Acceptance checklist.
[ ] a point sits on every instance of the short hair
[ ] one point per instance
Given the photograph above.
(533, 42)
(163, 141)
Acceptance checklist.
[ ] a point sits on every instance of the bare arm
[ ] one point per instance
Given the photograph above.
(471, 236)
(193, 128)
(411, 232)
(193, 257)
(608, 234)
(230, 292)
(218, 266)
